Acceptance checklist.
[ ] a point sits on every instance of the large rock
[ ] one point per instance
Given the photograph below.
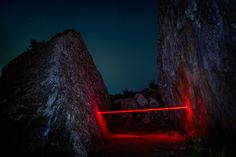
(50, 97)
(197, 63)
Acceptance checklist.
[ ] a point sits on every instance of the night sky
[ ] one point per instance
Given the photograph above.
(121, 35)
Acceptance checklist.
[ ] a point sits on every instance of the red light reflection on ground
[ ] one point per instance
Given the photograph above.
(157, 136)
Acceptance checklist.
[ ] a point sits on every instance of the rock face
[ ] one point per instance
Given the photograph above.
(197, 63)
(50, 97)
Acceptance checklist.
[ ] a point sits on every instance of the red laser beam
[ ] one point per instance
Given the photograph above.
(144, 110)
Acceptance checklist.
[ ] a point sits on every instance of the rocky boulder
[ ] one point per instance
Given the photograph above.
(50, 97)
(197, 63)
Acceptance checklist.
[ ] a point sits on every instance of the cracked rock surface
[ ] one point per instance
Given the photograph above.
(49, 99)
(197, 60)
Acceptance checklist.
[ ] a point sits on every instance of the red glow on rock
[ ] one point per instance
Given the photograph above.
(189, 125)
(145, 110)
(102, 123)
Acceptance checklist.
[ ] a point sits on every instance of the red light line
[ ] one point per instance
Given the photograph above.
(158, 136)
(144, 110)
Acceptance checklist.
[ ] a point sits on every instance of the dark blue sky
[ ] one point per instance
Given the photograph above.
(121, 35)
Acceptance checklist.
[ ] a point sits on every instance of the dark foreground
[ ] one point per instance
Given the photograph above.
(160, 145)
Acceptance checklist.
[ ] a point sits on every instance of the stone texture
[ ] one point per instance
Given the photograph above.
(49, 99)
(197, 63)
